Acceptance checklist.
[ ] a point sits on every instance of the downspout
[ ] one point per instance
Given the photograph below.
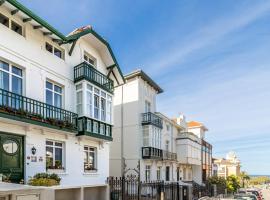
(122, 133)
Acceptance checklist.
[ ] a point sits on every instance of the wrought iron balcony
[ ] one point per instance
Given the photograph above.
(94, 128)
(169, 156)
(151, 153)
(151, 118)
(21, 108)
(89, 73)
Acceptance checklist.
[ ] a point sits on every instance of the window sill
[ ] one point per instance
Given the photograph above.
(57, 171)
(90, 172)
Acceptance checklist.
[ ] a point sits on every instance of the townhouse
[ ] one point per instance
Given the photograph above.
(151, 145)
(56, 99)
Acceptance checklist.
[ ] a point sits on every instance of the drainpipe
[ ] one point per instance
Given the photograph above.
(122, 133)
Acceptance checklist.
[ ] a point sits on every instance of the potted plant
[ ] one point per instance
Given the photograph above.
(21, 112)
(51, 121)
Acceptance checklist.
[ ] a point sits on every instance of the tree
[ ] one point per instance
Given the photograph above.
(244, 177)
(260, 180)
(233, 183)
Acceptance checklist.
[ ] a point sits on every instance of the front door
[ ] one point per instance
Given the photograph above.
(11, 157)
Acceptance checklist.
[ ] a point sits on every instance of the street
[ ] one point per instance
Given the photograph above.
(266, 194)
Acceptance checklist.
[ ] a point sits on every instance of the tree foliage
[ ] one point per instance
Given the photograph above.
(259, 180)
(233, 183)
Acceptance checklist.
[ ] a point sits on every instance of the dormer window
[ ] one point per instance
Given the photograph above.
(90, 59)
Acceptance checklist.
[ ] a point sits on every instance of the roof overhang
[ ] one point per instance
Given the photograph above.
(146, 78)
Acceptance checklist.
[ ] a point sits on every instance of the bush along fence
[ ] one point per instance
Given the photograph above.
(130, 188)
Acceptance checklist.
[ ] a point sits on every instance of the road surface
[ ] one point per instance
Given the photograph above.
(266, 194)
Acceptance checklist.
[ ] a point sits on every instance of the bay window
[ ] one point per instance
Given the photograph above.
(152, 137)
(94, 103)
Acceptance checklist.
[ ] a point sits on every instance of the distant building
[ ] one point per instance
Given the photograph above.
(229, 166)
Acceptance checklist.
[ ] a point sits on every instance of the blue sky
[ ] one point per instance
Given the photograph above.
(212, 58)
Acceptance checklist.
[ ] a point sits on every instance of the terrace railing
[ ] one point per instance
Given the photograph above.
(28, 110)
(151, 118)
(88, 72)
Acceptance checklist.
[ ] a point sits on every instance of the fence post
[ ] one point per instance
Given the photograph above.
(123, 187)
(177, 187)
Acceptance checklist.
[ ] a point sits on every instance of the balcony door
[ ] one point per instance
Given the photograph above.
(167, 173)
(11, 156)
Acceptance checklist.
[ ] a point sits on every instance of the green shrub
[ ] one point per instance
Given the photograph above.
(44, 179)
(43, 182)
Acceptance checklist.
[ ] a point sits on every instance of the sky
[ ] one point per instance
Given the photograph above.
(212, 58)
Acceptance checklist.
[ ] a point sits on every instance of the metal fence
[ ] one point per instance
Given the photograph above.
(130, 188)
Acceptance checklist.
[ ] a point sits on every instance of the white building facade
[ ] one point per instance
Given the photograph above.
(56, 97)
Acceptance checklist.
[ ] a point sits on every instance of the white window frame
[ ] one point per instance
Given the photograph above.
(11, 74)
(10, 20)
(88, 151)
(89, 56)
(54, 147)
(54, 92)
(159, 169)
(147, 172)
(53, 50)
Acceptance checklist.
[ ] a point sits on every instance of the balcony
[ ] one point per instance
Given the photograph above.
(89, 73)
(94, 128)
(151, 153)
(169, 156)
(151, 118)
(21, 108)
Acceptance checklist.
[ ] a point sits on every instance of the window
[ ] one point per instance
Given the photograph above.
(11, 24)
(89, 104)
(11, 78)
(168, 127)
(90, 59)
(4, 20)
(147, 106)
(103, 106)
(90, 158)
(147, 172)
(79, 98)
(158, 173)
(54, 155)
(56, 51)
(96, 104)
(53, 94)
(16, 27)
(167, 145)
(146, 139)
(167, 173)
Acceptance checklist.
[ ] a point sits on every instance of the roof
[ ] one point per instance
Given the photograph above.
(195, 124)
(145, 77)
(62, 37)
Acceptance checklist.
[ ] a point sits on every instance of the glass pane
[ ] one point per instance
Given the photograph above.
(96, 91)
(85, 58)
(57, 52)
(57, 89)
(58, 144)
(85, 157)
(17, 71)
(4, 65)
(49, 157)
(4, 20)
(49, 97)
(57, 100)
(10, 146)
(89, 126)
(89, 87)
(79, 86)
(4, 80)
(58, 158)
(16, 85)
(49, 85)
(49, 47)
(85, 148)
(49, 143)
(16, 27)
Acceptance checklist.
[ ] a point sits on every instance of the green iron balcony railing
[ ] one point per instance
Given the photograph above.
(94, 128)
(151, 118)
(151, 153)
(21, 108)
(89, 73)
